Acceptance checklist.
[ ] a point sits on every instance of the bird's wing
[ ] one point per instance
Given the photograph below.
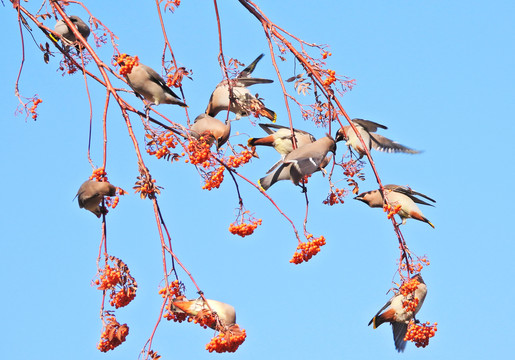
(305, 166)
(155, 77)
(382, 143)
(368, 125)
(410, 193)
(246, 82)
(267, 128)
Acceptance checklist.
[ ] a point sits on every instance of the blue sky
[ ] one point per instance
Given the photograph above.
(440, 75)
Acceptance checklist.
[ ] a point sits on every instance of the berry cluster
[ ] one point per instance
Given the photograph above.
(99, 174)
(307, 249)
(413, 267)
(126, 63)
(331, 78)
(214, 179)
(227, 341)
(199, 152)
(234, 161)
(420, 334)
(118, 280)
(325, 54)
(113, 335)
(410, 304)
(159, 145)
(146, 187)
(205, 319)
(174, 292)
(353, 168)
(335, 197)
(175, 79)
(391, 210)
(34, 106)
(244, 229)
(409, 287)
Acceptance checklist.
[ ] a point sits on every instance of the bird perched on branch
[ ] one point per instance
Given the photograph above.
(67, 36)
(213, 128)
(397, 315)
(225, 312)
(148, 84)
(301, 162)
(280, 137)
(243, 103)
(372, 141)
(398, 195)
(91, 193)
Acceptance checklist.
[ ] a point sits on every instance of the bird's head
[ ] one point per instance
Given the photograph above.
(341, 135)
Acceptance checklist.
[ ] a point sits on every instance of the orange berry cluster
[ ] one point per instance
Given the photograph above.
(175, 79)
(109, 278)
(410, 304)
(113, 335)
(335, 197)
(126, 63)
(330, 79)
(325, 54)
(244, 229)
(99, 174)
(159, 145)
(118, 280)
(113, 202)
(199, 152)
(392, 210)
(146, 187)
(307, 249)
(409, 287)
(215, 178)
(234, 161)
(123, 297)
(204, 318)
(33, 108)
(425, 260)
(174, 292)
(420, 334)
(413, 267)
(227, 341)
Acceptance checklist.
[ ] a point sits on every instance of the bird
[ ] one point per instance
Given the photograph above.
(374, 141)
(91, 193)
(225, 312)
(147, 83)
(206, 125)
(398, 195)
(243, 102)
(280, 137)
(67, 36)
(395, 313)
(301, 162)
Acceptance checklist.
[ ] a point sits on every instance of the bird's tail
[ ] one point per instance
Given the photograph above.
(265, 182)
(269, 114)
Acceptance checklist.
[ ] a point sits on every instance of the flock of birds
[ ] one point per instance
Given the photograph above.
(306, 157)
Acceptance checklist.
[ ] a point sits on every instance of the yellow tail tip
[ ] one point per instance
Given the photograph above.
(260, 187)
(429, 222)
